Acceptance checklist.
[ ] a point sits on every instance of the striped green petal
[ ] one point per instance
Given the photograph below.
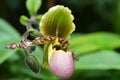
(58, 21)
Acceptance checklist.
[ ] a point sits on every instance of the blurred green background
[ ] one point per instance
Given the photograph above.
(96, 40)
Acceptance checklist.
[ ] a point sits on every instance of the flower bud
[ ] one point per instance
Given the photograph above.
(32, 63)
(61, 64)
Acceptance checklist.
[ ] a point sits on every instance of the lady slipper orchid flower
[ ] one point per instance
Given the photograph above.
(58, 21)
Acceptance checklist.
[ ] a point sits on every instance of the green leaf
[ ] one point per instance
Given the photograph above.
(58, 21)
(33, 6)
(24, 20)
(8, 34)
(117, 18)
(93, 42)
(38, 17)
(99, 60)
